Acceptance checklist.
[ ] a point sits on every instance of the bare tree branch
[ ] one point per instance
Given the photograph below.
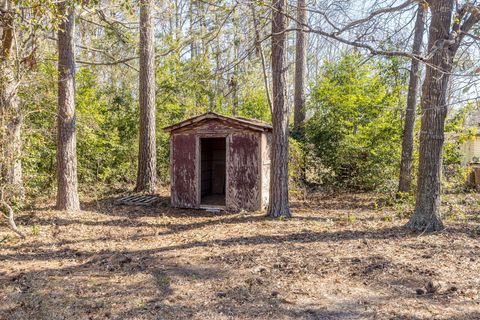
(374, 14)
(7, 212)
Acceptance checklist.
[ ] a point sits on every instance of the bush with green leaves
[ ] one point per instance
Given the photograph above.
(107, 129)
(108, 116)
(355, 130)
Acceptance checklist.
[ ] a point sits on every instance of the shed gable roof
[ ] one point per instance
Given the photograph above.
(252, 124)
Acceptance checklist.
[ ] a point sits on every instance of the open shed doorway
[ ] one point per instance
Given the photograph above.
(213, 171)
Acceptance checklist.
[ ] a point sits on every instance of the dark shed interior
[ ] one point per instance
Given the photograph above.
(213, 170)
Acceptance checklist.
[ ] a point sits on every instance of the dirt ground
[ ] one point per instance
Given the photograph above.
(342, 257)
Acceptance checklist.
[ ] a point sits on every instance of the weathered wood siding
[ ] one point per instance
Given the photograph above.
(243, 182)
(246, 157)
(265, 164)
(212, 128)
(184, 170)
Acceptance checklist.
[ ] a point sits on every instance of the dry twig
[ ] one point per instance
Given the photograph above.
(7, 212)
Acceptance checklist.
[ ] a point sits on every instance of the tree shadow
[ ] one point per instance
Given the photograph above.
(291, 238)
(147, 278)
(164, 229)
(110, 285)
(338, 201)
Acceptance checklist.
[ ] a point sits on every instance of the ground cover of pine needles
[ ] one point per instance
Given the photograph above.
(343, 256)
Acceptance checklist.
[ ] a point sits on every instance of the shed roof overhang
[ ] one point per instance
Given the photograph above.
(252, 124)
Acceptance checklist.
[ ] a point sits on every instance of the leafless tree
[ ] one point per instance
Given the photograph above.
(446, 32)
(10, 113)
(405, 180)
(300, 68)
(261, 54)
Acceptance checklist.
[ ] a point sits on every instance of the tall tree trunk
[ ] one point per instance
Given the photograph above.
(67, 194)
(10, 129)
(147, 157)
(10, 113)
(405, 180)
(10, 137)
(192, 11)
(236, 51)
(300, 69)
(278, 204)
(234, 90)
(261, 54)
(426, 216)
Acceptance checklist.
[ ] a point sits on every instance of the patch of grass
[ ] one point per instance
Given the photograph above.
(388, 218)
(351, 218)
(36, 230)
(455, 213)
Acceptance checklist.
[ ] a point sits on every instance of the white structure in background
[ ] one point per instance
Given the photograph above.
(471, 148)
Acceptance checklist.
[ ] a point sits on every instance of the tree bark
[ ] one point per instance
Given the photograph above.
(300, 69)
(426, 216)
(192, 10)
(67, 194)
(261, 54)
(278, 204)
(405, 180)
(10, 112)
(234, 84)
(10, 130)
(147, 157)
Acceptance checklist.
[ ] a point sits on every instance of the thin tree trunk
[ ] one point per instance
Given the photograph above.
(192, 34)
(234, 85)
(405, 180)
(261, 54)
(278, 204)
(426, 216)
(300, 69)
(10, 135)
(236, 49)
(67, 194)
(147, 157)
(10, 112)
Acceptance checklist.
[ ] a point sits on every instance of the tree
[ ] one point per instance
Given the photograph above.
(405, 180)
(261, 54)
(10, 115)
(278, 204)
(236, 51)
(300, 68)
(147, 162)
(67, 195)
(444, 40)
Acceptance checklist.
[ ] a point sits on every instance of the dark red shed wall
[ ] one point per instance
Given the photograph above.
(243, 171)
(184, 172)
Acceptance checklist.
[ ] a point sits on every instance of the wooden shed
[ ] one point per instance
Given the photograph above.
(220, 162)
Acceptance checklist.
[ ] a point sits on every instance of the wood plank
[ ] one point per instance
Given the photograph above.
(137, 200)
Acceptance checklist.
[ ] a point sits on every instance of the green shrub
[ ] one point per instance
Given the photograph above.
(355, 130)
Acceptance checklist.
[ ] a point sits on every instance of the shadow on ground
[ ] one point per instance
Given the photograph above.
(124, 262)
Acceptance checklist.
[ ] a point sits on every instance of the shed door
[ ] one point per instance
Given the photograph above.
(184, 181)
(243, 172)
